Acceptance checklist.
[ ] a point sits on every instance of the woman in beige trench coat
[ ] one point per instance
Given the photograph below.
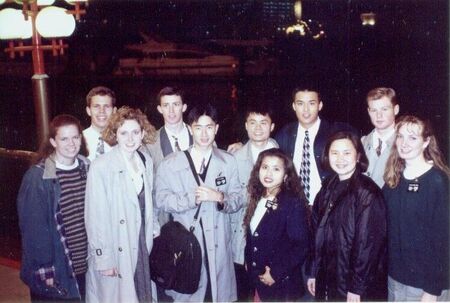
(114, 213)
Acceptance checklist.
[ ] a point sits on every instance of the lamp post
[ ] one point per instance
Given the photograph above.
(45, 22)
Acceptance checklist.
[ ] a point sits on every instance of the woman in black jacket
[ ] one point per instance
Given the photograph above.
(349, 225)
(277, 229)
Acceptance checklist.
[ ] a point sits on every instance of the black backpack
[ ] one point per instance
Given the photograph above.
(176, 256)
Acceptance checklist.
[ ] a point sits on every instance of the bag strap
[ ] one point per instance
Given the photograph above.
(194, 172)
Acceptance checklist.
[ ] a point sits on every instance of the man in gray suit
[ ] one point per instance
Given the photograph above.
(382, 106)
(259, 125)
(219, 194)
(174, 135)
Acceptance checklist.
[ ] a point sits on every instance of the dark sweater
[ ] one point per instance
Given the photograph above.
(418, 231)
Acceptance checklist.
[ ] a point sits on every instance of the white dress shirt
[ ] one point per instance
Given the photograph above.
(182, 136)
(315, 183)
(197, 158)
(91, 136)
(259, 213)
(383, 138)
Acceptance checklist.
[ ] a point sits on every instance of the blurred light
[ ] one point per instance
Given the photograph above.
(298, 10)
(2, 1)
(45, 2)
(72, 2)
(54, 22)
(13, 25)
(308, 28)
(368, 19)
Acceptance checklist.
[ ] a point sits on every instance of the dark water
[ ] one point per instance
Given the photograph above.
(343, 101)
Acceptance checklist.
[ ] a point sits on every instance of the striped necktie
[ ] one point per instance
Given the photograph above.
(305, 165)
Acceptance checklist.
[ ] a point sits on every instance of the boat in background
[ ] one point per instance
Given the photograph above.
(154, 58)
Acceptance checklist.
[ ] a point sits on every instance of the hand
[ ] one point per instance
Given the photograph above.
(49, 282)
(232, 148)
(266, 278)
(426, 297)
(351, 297)
(203, 193)
(312, 286)
(109, 272)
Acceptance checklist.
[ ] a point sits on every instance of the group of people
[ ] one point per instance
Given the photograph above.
(315, 213)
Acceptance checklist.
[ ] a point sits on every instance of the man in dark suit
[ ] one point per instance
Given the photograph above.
(307, 105)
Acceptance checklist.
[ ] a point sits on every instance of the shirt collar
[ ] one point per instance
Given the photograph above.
(384, 138)
(312, 130)
(172, 134)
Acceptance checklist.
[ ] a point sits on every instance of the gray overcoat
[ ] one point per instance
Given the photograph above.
(175, 186)
(113, 221)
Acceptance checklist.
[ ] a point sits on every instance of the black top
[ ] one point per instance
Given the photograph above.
(418, 231)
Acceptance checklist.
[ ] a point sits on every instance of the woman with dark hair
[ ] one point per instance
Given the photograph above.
(50, 205)
(120, 222)
(277, 228)
(349, 228)
(417, 196)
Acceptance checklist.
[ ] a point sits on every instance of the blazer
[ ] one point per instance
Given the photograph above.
(280, 241)
(162, 147)
(287, 137)
(245, 163)
(175, 193)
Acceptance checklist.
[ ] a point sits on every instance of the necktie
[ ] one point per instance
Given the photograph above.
(177, 145)
(100, 147)
(202, 167)
(305, 165)
(378, 150)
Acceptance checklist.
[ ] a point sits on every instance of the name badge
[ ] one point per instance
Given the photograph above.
(413, 187)
(221, 181)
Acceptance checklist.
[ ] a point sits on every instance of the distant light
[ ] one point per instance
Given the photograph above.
(55, 22)
(45, 2)
(39, 2)
(72, 2)
(13, 25)
(368, 19)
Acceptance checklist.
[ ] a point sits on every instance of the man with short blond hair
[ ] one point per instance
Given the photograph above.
(382, 106)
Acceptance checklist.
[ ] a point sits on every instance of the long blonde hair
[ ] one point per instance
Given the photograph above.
(395, 165)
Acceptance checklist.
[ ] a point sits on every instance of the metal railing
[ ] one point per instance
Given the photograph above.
(17, 154)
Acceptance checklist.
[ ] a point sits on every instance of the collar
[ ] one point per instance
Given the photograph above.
(177, 135)
(312, 130)
(49, 165)
(384, 138)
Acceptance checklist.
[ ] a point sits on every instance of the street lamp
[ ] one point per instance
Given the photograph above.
(37, 20)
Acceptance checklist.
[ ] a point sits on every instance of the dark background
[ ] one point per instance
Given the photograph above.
(406, 50)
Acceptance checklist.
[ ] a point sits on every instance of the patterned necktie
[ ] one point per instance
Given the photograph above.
(305, 165)
(202, 167)
(100, 147)
(177, 145)
(378, 150)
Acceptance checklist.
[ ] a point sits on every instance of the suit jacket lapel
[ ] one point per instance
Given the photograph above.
(166, 147)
